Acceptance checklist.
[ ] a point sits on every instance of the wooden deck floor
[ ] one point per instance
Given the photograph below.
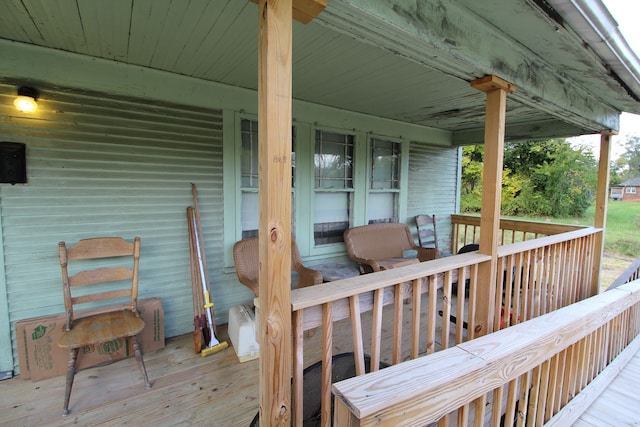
(214, 391)
(619, 404)
(187, 389)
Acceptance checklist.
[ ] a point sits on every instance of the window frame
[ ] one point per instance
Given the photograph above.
(304, 192)
(401, 180)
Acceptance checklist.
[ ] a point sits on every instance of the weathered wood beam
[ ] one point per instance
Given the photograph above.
(496, 90)
(444, 36)
(602, 197)
(306, 10)
(544, 129)
(274, 201)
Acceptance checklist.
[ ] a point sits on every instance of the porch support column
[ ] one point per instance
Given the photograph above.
(496, 90)
(274, 201)
(602, 197)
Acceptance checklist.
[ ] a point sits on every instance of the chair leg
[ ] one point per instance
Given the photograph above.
(71, 372)
(140, 360)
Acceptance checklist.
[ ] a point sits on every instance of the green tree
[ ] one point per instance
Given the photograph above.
(471, 191)
(632, 157)
(567, 180)
(539, 178)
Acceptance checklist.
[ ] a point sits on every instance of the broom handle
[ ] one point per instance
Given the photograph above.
(197, 337)
(201, 253)
(208, 306)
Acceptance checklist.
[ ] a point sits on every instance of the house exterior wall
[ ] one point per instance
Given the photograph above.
(433, 188)
(98, 166)
(105, 162)
(626, 193)
(631, 194)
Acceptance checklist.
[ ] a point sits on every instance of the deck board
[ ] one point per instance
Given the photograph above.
(618, 404)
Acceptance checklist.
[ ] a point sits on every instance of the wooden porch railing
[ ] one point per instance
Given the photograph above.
(553, 273)
(540, 371)
(323, 305)
(466, 230)
(630, 274)
(544, 274)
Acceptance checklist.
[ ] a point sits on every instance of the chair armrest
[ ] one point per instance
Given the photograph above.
(308, 276)
(427, 254)
(367, 265)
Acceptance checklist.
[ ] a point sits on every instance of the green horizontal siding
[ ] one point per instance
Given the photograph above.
(434, 187)
(99, 166)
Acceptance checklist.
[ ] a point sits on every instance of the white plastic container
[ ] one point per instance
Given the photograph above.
(242, 332)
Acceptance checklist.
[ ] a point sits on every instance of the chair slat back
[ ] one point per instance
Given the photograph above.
(426, 228)
(101, 275)
(102, 247)
(106, 250)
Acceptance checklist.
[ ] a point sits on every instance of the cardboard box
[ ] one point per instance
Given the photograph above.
(242, 332)
(40, 357)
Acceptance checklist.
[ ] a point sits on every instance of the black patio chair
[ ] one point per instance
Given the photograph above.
(343, 367)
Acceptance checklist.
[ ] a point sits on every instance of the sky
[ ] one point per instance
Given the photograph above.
(626, 13)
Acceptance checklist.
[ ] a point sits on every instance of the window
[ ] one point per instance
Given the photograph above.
(249, 176)
(333, 163)
(630, 190)
(343, 178)
(384, 184)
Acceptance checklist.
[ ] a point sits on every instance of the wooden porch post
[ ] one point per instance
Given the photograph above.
(496, 90)
(274, 201)
(602, 197)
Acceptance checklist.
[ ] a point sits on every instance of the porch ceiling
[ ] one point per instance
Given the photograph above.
(406, 61)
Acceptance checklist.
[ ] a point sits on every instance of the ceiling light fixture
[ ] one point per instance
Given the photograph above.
(26, 99)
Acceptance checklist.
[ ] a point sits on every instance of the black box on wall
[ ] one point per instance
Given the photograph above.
(13, 163)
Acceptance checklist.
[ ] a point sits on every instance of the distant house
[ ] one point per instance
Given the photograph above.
(628, 191)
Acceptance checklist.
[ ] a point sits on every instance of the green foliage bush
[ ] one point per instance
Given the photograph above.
(541, 178)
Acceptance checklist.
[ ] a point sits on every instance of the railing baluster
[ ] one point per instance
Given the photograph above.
(298, 365)
(534, 395)
(460, 303)
(431, 315)
(560, 379)
(397, 321)
(496, 406)
(376, 335)
(479, 406)
(518, 290)
(508, 290)
(327, 359)
(473, 287)
(415, 318)
(552, 380)
(543, 392)
(356, 333)
(446, 310)
(512, 401)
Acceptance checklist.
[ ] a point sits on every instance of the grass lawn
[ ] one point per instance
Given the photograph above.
(622, 236)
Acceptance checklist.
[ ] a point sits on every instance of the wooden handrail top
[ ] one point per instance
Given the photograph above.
(442, 382)
(541, 242)
(519, 225)
(332, 291)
